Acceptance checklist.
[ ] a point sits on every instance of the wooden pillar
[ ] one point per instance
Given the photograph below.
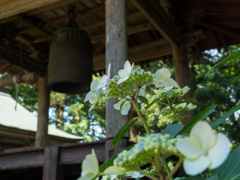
(116, 54)
(51, 169)
(43, 106)
(182, 75)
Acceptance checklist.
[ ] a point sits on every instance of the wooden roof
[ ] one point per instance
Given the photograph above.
(153, 28)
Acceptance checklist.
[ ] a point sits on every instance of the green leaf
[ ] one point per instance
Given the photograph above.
(109, 162)
(232, 56)
(168, 92)
(193, 178)
(230, 169)
(215, 177)
(117, 101)
(172, 129)
(123, 131)
(199, 117)
(225, 116)
(236, 79)
(143, 100)
(189, 101)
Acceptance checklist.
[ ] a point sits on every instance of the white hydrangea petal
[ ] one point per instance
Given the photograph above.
(127, 66)
(172, 82)
(114, 170)
(219, 152)
(102, 82)
(166, 84)
(117, 106)
(90, 164)
(158, 76)
(165, 73)
(126, 108)
(189, 147)
(122, 80)
(131, 68)
(122, 73)
(195, 167)
(93, 86)
(204, 133)
(94, 99)
(89, 95)
(87, 176)
(109, 69)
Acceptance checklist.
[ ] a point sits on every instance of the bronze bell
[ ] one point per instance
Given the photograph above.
(70, 61)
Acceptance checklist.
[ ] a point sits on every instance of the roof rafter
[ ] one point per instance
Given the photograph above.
(160, 20)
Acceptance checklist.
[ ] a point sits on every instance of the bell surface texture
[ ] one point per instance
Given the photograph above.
(70, 64)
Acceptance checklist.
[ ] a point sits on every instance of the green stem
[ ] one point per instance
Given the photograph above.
(158, 167)
(140, 116)
(167, 167)
(170, 105)
(146, 174)
(174, 169)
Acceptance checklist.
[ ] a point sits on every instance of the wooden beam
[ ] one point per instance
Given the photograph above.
(160, 20)
(30, 77)
(218, 29)
(66, 17)
(131, 30)
(13, 7)
(216, 41)
(141, 52)
(43, 106)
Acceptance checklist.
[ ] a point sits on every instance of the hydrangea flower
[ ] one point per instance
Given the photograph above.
(125, 108)
(93, 101)
(104, 80)
(93, 90)
(90, 167)
(162, 79)
(142, 92)
(203, 149)
(135, 175)
(115, 170)
(125, 73)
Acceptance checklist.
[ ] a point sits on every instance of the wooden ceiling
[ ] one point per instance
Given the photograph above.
(154, 27)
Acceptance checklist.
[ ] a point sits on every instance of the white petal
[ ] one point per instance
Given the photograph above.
(89, 96)
(219, 152)
(204, 133)
(94, 99)
(102, 82)
(94, 84)
(127, 66)
(158, 76)
(90, 164)
(172, 82)
(92, 106)
(190, 147)
(87, 176)
(165, 73)
(114, 170)
(113, 176)
(132, 68)
(126, 107)
(117, 106)
(122, 80)
(165, 84)
(123, 73)
(194, 167)
(109, 69)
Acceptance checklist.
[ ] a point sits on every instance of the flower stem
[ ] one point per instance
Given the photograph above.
(174, 169)
(140, 116)
(146, 174)
(170, 105)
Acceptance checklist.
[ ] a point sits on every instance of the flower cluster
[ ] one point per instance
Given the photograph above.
(146, 150)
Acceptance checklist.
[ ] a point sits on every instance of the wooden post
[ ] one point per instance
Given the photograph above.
(43, 105)
(51, 169)
(116, 54)
(182, 74)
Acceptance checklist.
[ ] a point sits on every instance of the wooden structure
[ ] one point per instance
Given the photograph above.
(156, 29)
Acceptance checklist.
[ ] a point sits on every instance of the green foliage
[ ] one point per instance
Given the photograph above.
(173, 129)
(230, 168)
